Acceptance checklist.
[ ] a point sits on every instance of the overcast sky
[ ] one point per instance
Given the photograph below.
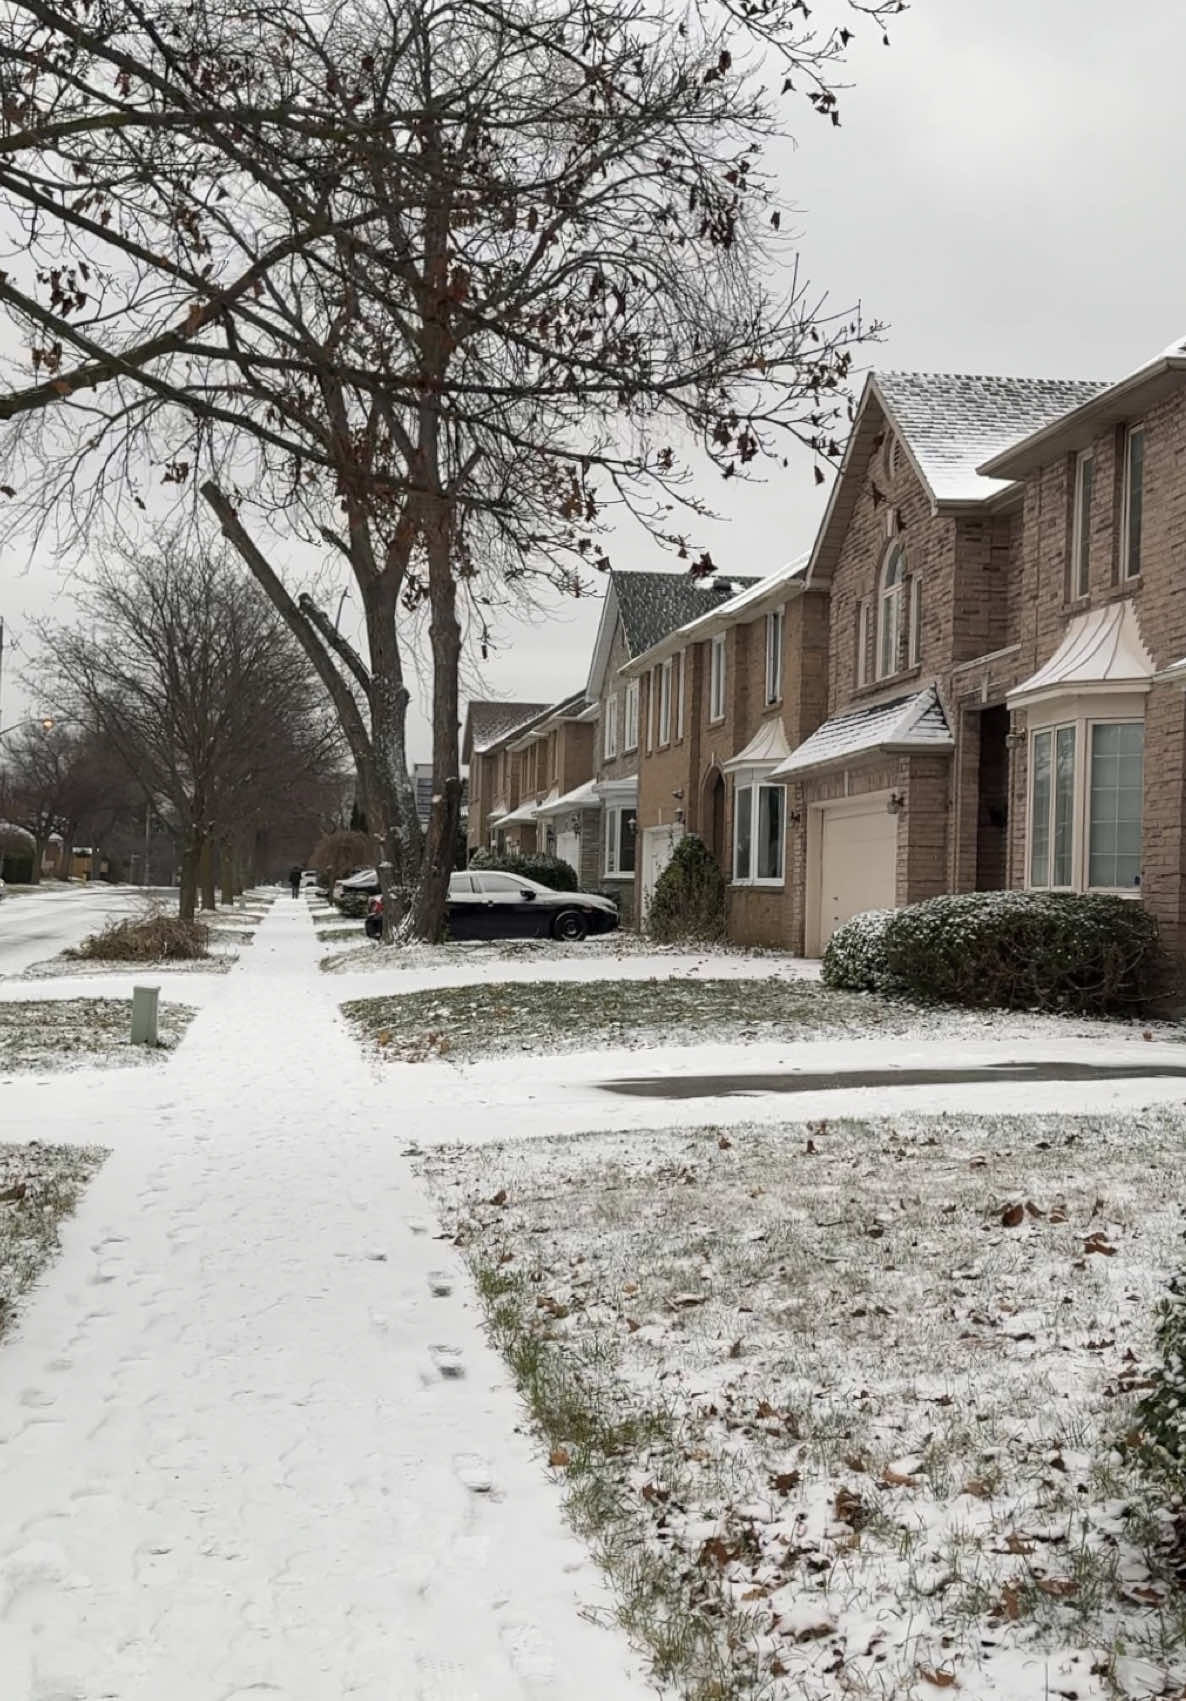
(1005, 191)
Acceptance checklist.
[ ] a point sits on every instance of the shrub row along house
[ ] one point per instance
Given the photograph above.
(974, 680)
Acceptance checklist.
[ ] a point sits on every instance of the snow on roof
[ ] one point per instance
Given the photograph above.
(1102, 650)
(653, 604)
(767, 746)
(489, 723)
(746, 602)
(908, 723)
(583, 797)
(954, 422)
(521, 817)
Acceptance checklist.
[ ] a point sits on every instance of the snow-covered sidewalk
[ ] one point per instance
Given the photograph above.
(253, 1442)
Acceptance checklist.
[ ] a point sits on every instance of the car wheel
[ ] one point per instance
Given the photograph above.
(570, 925)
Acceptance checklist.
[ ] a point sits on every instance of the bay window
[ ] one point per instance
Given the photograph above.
(619, 839)
(1086, 790)
(759, 834)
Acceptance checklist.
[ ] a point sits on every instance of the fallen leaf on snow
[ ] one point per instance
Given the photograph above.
(940, 1679)
(559, 1457)
(1012, 1216)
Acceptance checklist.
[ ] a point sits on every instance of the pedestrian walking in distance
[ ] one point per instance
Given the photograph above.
(294, 880)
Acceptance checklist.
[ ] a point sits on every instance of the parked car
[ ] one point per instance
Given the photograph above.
(308, 878)
(353, 895)
(488, 904)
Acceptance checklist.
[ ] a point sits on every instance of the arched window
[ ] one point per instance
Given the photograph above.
(890, 601)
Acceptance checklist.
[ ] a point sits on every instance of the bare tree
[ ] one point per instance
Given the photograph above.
(192, 677)
(53, 784)
(461, 282)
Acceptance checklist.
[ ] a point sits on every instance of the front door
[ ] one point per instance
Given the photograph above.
(657, 846)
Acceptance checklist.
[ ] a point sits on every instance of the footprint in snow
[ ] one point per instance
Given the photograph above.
(531, 1657)
(473, 1472)
(448, 1362)
(440, 1283)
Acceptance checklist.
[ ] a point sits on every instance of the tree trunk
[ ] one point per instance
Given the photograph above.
(39, 845)
(227, 865)
(389, 794)
(206, 874)
(191, 858)
(428, 912)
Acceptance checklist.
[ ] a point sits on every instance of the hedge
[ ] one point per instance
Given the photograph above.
(1011, 950)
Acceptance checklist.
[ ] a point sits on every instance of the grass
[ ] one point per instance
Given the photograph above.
(830, 1425)
(39, 1186)
(69, 1033)
(355, 930)
(492, 1020)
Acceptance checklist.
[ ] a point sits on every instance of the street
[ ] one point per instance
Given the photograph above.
(40, 921)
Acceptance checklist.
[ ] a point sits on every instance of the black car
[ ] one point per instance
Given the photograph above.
(487, 904)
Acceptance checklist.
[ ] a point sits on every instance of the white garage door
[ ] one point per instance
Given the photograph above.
(858, 864)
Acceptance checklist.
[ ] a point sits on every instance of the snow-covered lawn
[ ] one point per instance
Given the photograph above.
(74, 1033)
(39, 1185)
(847, 1409)
(222, 957)
(497, 1018)
(483, 955)
(345, 930)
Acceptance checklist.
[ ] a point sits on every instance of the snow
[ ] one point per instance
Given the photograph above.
(41, 921)
(906, 723)
(239, 1456)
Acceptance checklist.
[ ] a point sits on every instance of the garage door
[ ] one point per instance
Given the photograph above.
(858, 864)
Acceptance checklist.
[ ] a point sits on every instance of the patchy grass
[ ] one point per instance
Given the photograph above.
(353, 930)
(39, 1186)
(74, 1033)
(848, 1409)
(474, 953)
(508, 1016)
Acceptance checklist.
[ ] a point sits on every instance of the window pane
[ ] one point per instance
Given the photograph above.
(770, 834)
(626, 837)
(891, 617)
(1136, 481)
(1114, 841)
(1040, 811)
(742, 833)
(1064, 805)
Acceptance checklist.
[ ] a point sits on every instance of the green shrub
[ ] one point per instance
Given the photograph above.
(688, 902)
(152, 939)
(548, 870)
(855, 956)
(1163, 1410)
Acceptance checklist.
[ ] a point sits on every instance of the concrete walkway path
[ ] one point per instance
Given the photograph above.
(253, 1446)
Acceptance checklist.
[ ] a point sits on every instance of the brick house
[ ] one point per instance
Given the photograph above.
(555, 755)
(1097, 781)
(493, 771)
(640, 610)
(901, 788)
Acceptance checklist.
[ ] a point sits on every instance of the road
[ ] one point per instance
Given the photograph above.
(38, 922)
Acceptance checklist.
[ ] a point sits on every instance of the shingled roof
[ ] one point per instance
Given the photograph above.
(953, 422)
(653, 604)
(908, 723)
(487, 723)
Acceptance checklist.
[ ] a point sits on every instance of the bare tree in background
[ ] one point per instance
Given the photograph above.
(192, 677)
(451, 288)
(54, 785)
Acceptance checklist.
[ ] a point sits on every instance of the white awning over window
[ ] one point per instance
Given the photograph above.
(583, 797)
(1101, 650)
(766, 749)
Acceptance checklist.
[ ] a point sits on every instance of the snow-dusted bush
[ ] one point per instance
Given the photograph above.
(688, 902)
(855, 957)
(1163, 1410)
(1028, 950)
(153, 939)
(550, 871)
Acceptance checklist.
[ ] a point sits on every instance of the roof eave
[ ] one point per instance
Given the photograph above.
(890, 747)
(1077, 429)
(1023, 699)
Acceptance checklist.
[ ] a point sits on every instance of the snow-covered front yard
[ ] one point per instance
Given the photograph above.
(39, 1185)
(74, 1033)
(847, 1408)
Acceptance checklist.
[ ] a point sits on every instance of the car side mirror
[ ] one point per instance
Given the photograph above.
(524, 893)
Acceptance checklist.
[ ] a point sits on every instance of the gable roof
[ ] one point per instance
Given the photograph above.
(754, 600)
(1111, 404)
(949, 425)
(649, 606)
(908, 723)
(567, 709)
(488, 723)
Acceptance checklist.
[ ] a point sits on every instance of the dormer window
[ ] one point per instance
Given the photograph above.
(891, 596)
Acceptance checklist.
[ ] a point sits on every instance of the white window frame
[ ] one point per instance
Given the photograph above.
(679, 701)
(609, 740)
(716, 677)
(1084, 724)
(888, 654)
(630, 716)
(613, 840)
(775, 628)
(1133, 434)
(864, 612)
(914, 635)
(754, 786)
(664, 672)
(650, 711)
(1081, 524)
